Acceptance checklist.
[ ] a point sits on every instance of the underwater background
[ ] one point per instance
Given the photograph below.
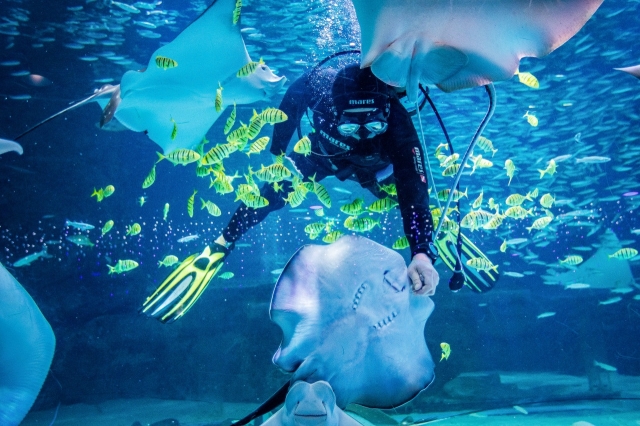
(532, 326)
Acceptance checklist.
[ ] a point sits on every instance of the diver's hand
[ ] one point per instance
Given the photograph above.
(423, 275)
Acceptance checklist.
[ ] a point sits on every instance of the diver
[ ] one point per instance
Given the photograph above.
(361, 132)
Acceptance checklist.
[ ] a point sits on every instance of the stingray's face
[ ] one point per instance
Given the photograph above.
(310, 405)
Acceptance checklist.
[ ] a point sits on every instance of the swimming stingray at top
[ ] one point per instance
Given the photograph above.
(173, 99)
(458, 44)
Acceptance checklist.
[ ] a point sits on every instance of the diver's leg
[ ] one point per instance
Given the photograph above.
(246, 218)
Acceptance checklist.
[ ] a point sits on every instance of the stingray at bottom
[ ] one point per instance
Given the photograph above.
(310, 405)
(349, 318)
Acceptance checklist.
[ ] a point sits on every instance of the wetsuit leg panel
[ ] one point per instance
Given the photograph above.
(246, 218)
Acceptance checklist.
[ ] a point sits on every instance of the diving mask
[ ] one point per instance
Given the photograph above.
(352, 123)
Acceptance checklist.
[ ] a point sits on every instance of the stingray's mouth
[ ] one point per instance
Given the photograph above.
(310, 419)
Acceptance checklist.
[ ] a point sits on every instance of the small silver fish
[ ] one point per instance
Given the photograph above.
(604, 366)
(79, 225)
(546, 315)
(27, 260)
(189, 238)
(610, 301)
(576, 286)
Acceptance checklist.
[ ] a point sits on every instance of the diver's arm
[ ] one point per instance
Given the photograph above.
(294, 105)
(405, 152)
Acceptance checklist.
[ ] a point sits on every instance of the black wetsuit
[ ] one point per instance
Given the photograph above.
(347, 158)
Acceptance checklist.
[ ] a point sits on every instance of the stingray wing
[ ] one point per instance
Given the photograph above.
(457, 44)
(207, 52)
(27, 344)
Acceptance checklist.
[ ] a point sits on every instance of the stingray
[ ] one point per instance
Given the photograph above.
(8, 146)
(458, 44)
(599, 271)
(310, 405)
(208, 54)
(27, 344)
(348, 317)
(634, 70)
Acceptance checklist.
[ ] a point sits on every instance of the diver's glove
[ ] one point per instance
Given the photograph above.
(184, 286)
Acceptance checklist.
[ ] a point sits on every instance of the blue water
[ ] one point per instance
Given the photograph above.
(221, 350)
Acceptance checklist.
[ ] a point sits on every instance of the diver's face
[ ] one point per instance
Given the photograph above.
(362, 123)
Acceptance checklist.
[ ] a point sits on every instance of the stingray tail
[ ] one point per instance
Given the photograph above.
(104, 90)
(269, 405)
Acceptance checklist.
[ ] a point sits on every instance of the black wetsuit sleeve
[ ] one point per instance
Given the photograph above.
(294, 104)
(403, 149)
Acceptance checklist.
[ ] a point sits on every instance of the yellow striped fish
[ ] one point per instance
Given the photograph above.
(315, 228)
(249, 69)
(362, 224)
(321, 192)
(230, 121)
(218, 101)
(273, 173)
(174, 130)
(354, 208)
(332, 237)
(134, 229)
(511, 169)
(449, 160)
(202, 171)
(383, 205)
(482, 264)
(303, 146)
(181, 156)
(478, 201)
(238, 134)
(494, 223)
(476, 219)
(258, 145)
(165, 63)
(211, 208)
(273, 116)
(444, 194)
(518, 212)
(390, 189)
(296, 197)
(190, 202)
(401, 243)
(222, 184)
(528, 79)
(451, 170)
(236, 12)
(255, 201)
(517, 199)
(218, 153)
(150, 179)
(624, 253)
(255, 125)
(540, 223)
(486, 145)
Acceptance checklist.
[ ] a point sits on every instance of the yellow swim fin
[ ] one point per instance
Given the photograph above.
(177, 294)
(478, 281)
